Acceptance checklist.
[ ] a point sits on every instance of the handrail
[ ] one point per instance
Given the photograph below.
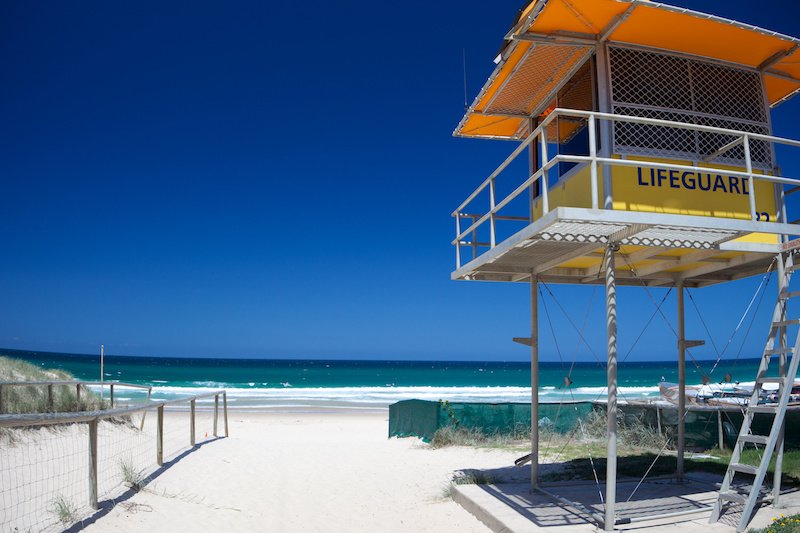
(535, 133)
(49, 419)
(73, 382)
(743, 138)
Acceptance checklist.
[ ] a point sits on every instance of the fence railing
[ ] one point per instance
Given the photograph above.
(71, 461)
(78, 385)
(468, 209)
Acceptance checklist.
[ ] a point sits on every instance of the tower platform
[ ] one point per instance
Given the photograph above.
(566, 246)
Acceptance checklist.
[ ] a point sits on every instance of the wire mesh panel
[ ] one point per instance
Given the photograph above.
(661, 86)
(177, 430)
(44, 482)
(534, 78)
(126, 456)
(204, 420)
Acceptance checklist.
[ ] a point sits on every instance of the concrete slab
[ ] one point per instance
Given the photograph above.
(510, 507)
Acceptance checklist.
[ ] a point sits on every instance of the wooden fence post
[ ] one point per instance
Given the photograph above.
(144, 413)
(191, 422)
(50, 397)
(93, 464)
(216, 412)
(225, 410)
(160, 437)
(1, 399)
(78, 396)
(112, 395)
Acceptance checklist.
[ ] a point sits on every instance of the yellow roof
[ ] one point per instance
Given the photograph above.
(528, 70)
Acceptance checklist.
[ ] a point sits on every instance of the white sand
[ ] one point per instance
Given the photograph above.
(306, 472)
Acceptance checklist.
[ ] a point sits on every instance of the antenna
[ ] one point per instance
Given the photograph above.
(464, 57)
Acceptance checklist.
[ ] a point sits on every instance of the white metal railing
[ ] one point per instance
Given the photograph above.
(593, 118)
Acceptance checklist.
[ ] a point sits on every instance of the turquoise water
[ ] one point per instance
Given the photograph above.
(272, 383)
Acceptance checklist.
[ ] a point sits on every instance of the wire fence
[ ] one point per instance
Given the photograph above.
(57, 469)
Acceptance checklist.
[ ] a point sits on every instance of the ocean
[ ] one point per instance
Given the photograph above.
(275, 384)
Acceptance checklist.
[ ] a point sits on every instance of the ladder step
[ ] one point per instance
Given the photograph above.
(783, 323)
(778, 351)
(763, 409)
(786, 295)
(754, 439)
(779, 381)
(792, 268)
(733, 497)
(743, 468)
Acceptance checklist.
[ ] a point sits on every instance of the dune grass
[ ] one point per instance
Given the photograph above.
(64, 510)
(34, 398)
(638, 446)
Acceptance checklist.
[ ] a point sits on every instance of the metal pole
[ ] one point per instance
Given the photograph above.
(543, 180)
(534, 383)
(611, 330)
(606, 126)
(458, 240)
(111, 395)
(93, 463)
(782, 289)
(720, 431)
(592, 126)
(533, 165)
(681, 383)
(492, 224)
(750, 182)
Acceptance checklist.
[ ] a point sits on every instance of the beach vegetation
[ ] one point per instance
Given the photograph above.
(65, 510)
(455, 435)
(36, 398)
(467, 477)
(781, 524)
(132, 477)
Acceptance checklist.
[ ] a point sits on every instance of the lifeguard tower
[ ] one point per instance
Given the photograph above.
(642, 133)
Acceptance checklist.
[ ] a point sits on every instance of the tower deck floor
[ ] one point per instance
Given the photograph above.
(567, 244)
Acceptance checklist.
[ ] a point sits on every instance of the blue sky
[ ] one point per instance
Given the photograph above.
(271, 180)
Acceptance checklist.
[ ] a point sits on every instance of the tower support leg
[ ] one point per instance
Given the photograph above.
(611, 329)
(781, 338)
(534, 383)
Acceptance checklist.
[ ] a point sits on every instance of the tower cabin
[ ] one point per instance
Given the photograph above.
(643, 155)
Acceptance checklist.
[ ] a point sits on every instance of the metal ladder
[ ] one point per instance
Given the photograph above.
(777, 336)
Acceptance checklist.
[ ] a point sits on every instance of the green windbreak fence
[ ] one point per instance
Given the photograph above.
(418, 418)
(421, 419)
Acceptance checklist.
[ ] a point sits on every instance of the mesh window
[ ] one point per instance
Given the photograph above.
(653, 85)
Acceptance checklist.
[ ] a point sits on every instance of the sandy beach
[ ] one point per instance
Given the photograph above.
(306, 472)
